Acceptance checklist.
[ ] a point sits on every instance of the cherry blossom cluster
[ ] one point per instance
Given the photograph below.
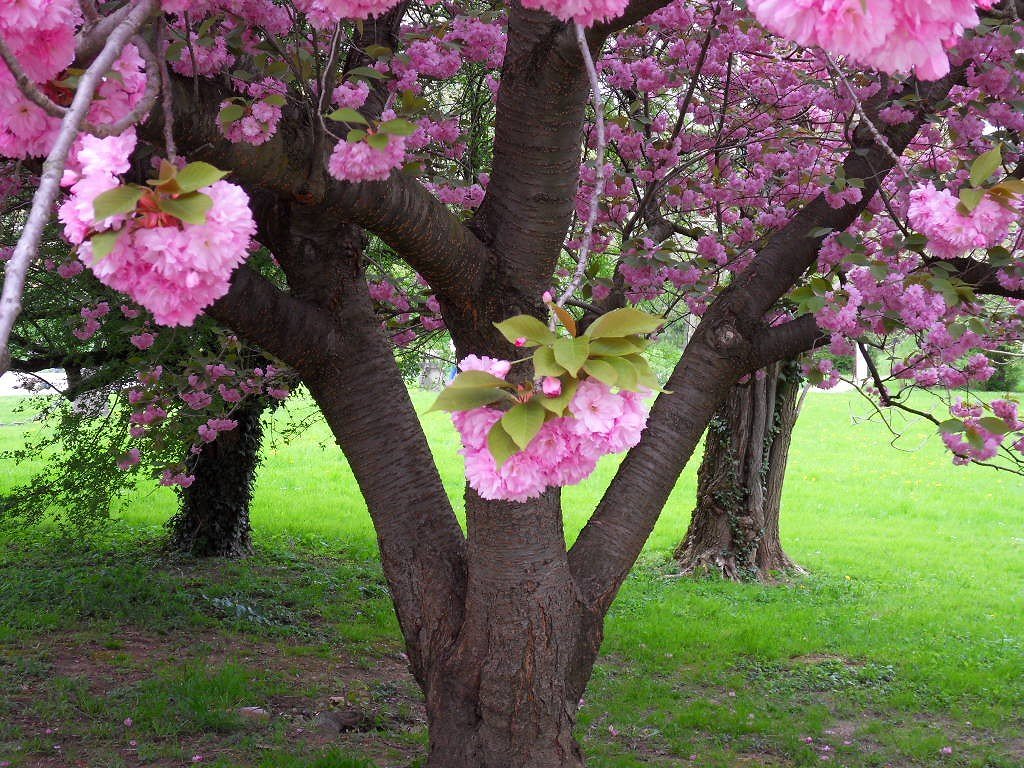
(566, 449)
(194, 404)
(46, 48)
(172, 267)
(360, 160)
(890, 35)
(971, 435)
(951, 231)
(406, 311)
(252, 120)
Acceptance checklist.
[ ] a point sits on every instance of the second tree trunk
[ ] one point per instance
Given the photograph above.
(214, 517)
(734, 530)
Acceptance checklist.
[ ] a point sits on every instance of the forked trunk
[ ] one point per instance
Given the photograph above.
(734, 530)
(214, 517)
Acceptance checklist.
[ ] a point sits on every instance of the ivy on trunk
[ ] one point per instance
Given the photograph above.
(734, 530)
(213, 520)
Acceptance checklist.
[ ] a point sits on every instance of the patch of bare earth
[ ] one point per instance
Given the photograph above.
(364, 705)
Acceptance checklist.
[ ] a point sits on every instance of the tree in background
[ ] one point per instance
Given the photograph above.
(788, 198)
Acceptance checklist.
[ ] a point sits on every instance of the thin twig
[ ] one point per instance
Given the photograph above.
(168, 97)
(595, 200)
(857, 105)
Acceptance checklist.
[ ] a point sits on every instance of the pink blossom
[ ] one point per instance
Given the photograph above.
(584, 12)
(230, 395)
(474, 425)
(551, 386)
(890, 35)
(143, 340)
(351, 95)
(130, 459)
(499, 368)
(184, 481)
(595, 407)
(197, 400)
(326, 13)
(357, 161)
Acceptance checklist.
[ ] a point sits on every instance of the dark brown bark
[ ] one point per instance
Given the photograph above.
(506, 693)
(214, 517)
(734, 530)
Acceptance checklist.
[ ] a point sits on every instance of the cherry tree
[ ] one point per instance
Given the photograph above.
(792, 175)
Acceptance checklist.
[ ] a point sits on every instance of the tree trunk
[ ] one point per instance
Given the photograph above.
(214, 517)
(734, 530)
(506, 694)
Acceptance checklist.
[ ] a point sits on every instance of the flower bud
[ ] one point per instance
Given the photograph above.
(551, 386)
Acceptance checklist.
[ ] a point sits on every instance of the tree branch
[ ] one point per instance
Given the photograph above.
(399, 210)
(283, 325)
(782, 342)
(531, 195)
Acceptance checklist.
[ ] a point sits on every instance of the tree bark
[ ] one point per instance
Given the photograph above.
(506, 693)
(214, 517)
(734, 530)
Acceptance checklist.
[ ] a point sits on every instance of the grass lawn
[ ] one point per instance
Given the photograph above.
(904, 646)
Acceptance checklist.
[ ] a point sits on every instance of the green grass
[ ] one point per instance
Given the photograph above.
(906, 637)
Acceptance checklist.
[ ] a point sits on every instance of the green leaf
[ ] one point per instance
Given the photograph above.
(347, 115)
(459, 399)
(230, 114)
(366, 73)
(397, 127)
(969, 198)
(627, 373)
(103, 243)
(544, 363)
(999, 256)
(602, 370)
(355, 136)
(198, 175)
(501, 446)
(523, 422)
(571, 354)
(645, 377)
(478, 379)
(985, 165)
(378, 140)
(191, 208)
(116, 201)
(275, 100)
(614, 347)
(378, 51)
(952, 426)
(557, 405)
(525, 327)
(994, 425)
(623, 322)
